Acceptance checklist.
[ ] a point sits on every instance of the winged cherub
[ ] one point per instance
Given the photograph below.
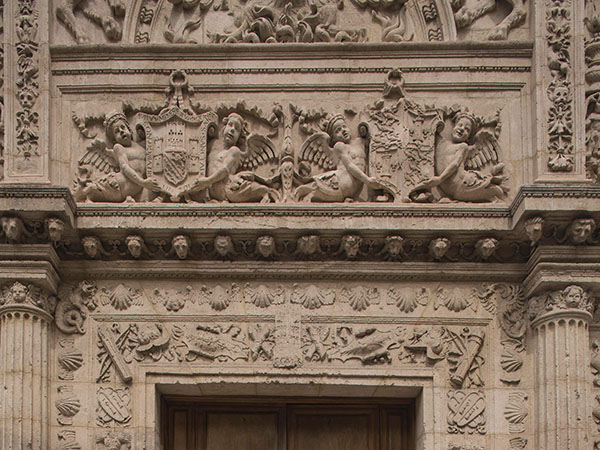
(466, 165)
(229, 160)
(123, 165)
(345, 162)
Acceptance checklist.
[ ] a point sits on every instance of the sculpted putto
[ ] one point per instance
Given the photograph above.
(466, 165)
(345, 162)
(123, 166)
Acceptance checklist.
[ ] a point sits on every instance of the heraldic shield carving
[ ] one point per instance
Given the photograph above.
(176, 147)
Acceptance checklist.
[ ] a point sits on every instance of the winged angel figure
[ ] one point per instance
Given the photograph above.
(466, 165)
(344, 161)
(122, 168)
(231, 164)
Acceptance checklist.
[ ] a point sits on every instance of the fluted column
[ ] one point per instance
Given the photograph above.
(25, 317)
(560, 322)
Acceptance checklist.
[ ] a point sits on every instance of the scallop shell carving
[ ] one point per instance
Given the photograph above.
(516, 412)
(511, 360)
(407, 302)
(70, 359)
(263, 297)
(360, 298)
(311, 297)
(67, 407)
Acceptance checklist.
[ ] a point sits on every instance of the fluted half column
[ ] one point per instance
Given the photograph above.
(560, 321)
(25, 317)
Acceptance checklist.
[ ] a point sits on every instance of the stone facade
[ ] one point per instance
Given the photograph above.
(340, 198)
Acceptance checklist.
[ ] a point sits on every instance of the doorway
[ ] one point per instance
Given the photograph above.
(257, 423)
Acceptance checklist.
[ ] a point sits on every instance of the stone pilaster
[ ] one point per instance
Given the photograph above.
(25, 317)
(560, 320)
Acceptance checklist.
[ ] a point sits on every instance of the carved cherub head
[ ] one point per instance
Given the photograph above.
(26, 97)
(181, 244)
(309, 245)
(438, 248)
(486, 247)
(533, 229)
(394, 246)
(338, 130)
(265, 245)
(580, 231)
(235, 130)
(464, 127)
(118, 129)
(135, 244)
(55, 227)
(350, 245)
(573, 296)
(91, 246)
(560, 95)
(223, 245)
(18, 292)
(13, 228)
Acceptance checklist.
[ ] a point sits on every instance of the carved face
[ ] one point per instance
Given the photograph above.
(351, 245)
(13, 228)
(573, 295)
(287, 174)
(181, 244)
(340, 132)
(265, 245)
(26, 98)
(394, 246)
(223, 245)
(232, 130)
(462, 130)
(533, 229)
(122, 133)
(581, 230)
(438, 247)
(91, 246)
(134, 245)
(561, 95)
(18, 292)
(309, 245)
(55, 228)
(486, 247)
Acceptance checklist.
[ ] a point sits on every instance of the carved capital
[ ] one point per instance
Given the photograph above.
(18, 296)
(572, 300)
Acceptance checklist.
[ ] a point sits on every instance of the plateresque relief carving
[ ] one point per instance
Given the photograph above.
(466, 412)
(106, 15)
(401, 151)
(114, 407)
(466, 13)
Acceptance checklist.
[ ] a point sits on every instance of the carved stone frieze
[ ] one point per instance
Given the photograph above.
(113, 407)
(466, 412)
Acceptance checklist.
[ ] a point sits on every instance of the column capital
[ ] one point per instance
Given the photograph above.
(17, 296)
(571, 302)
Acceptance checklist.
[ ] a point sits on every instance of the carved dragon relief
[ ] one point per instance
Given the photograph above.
(393, 151)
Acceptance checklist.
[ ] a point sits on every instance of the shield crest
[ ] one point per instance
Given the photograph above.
(402, 142)
(176, 146)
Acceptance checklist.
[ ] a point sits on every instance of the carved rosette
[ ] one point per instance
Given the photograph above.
(25, 317)
(560, 320)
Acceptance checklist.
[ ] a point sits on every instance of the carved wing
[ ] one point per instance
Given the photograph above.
(261, 150)
(100, 157)
(485, 153)
(316, 150)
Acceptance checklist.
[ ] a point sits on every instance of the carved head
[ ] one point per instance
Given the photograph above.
(580, 231)
(235, 130)
(26, 98)
(573, 296)
(309, 245)
(18, 292)
(338, 130)
(265, 245)
(486, 247)
(88, 289)
(118, 129)
(533, 229)
(135, 244)
(13, 228)
(438, 248)
(223, 245)
(55, 227)
(287, 173)
(394, 246)
(463, 128)
(181, 244)
(560, 95)
(350, 245)
(91, 246)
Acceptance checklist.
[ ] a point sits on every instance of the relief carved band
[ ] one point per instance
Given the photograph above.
(561, 339)
(24, 322)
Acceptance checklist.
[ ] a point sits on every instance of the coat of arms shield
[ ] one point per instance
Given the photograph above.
(176, 146)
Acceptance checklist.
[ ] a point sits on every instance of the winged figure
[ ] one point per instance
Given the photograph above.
(113, 174)
(467, 165)
(231, 164)
(344, 162)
